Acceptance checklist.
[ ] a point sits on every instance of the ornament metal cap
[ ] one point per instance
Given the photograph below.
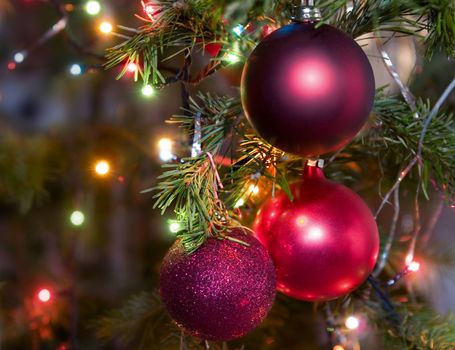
(305, 12)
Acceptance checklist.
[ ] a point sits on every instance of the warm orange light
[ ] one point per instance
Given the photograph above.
(253, 189)
(105, 27)
(338, 347)
(102, 168)
(44, 295)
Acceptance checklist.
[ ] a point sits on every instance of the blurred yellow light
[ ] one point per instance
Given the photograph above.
(102, 168)
(77, 218)
(253, 189)
(352, 323)
(338, 347)
(165, 150)
(106, 27)
(239, 203)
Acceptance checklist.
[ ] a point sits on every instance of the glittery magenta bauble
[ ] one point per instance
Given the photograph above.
(222, 291)
(324, 243)
(308, 90)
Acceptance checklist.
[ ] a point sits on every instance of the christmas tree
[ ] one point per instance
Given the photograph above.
(294, 159)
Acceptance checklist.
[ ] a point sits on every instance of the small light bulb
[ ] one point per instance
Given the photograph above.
(102, 168)
(174, 226)
(132, 67)
(44, 295)
(11, 65)
(409, 259)
(239, 203)
(19, 57)
(105, 27)
(414, 266)
(352, 323)
(148, 91)
(338, 347)
(233, 58)
(238, 29)
(77, 218)
(75, 69)
(165, 150)
(253, 189)
(165, 144)
(92, 7)
(149, 9)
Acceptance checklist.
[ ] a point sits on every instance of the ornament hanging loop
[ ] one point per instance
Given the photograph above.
(305, 11)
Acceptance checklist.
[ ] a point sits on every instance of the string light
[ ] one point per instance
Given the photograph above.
(93, 7)
(253, 189)
(19, 57)
(414, 266)
(165, 148)
(174, 226)
(352, 323)
(239, 203)
(105, 27)
(44, 295)
(132, 67)
(148, 91)
(75, 69)
(77, 218)
(11, 65)
(238, 30)
(102, 168)
(233, 58)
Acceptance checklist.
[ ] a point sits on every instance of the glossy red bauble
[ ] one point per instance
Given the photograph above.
(222, 291)
(324, 243)
(308, 90)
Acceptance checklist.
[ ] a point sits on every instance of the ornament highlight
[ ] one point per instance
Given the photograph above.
(220, 292)
(308, 90)
(324, 243)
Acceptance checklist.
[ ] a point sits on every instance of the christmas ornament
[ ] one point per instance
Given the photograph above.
(223, 290)
(324, 243)
(307, 90)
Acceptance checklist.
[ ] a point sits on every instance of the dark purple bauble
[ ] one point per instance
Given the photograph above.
(308, 90)
(220, 292)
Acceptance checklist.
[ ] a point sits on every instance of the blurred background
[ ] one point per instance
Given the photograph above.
(77, 147)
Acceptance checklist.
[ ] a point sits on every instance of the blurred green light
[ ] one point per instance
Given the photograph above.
(77, 218)
(174, 226)
(148, 91)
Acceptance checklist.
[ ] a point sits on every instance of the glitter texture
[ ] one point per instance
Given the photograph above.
(220, 292)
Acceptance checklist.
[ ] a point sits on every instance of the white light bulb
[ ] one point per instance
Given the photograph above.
(93, 7)
(19, 57)
(352, 323)
(77, 218)
(75, 69)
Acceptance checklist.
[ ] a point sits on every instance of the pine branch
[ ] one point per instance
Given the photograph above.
(191, 187)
